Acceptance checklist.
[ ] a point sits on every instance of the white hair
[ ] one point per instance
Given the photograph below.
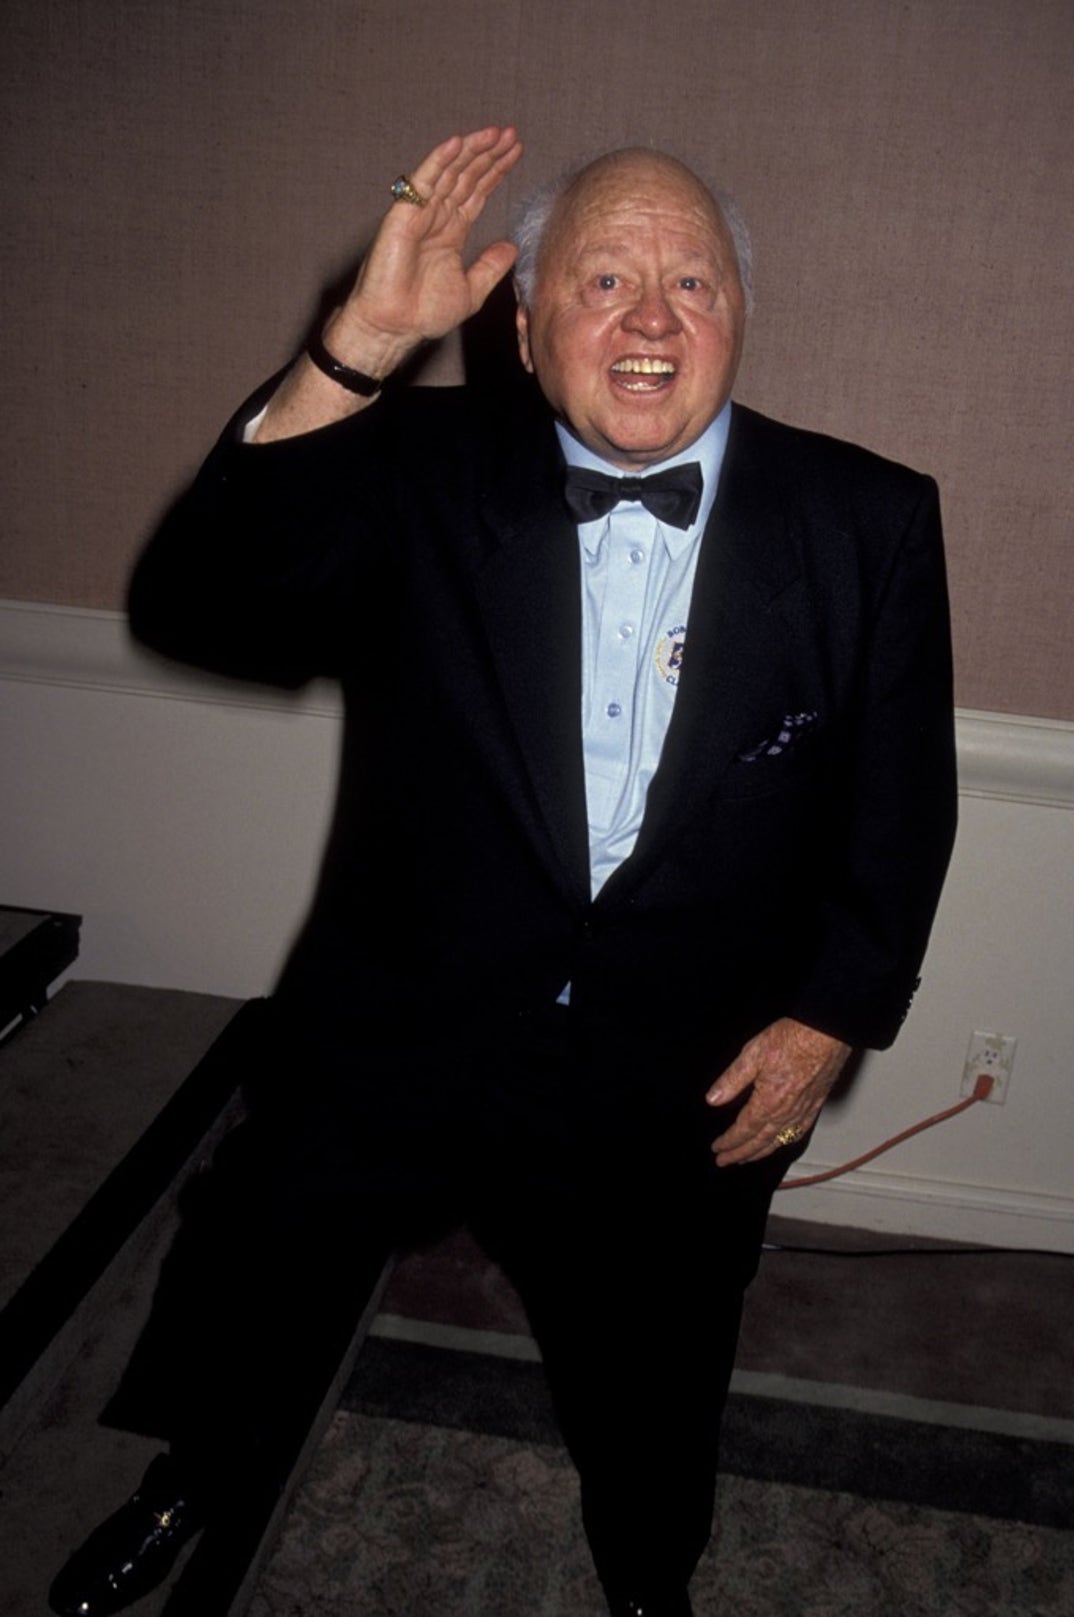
(535, 212)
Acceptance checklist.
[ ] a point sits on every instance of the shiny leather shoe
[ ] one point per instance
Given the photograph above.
(669, 1605)
(132, 1551)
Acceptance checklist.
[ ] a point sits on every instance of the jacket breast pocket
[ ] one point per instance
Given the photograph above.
(783, 759)
(770, 778)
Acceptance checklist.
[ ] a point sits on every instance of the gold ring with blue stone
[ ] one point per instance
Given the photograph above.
(403, 191)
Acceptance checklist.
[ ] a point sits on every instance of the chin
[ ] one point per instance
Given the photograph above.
(640, 449)
(644, 436)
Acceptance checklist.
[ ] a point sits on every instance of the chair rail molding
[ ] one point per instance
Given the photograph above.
(1013, 757)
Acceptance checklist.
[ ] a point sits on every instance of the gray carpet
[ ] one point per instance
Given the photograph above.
(441, 1487)
(399, 1519)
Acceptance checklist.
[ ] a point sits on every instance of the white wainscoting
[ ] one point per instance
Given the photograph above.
(182, 817)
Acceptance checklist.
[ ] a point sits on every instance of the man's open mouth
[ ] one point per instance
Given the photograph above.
(640, 374)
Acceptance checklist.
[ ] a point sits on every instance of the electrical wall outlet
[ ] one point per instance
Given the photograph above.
(993, 1055)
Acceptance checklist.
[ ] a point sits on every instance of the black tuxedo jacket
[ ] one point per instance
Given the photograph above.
(798, 827)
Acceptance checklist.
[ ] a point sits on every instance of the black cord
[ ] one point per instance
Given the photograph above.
(915, 1251)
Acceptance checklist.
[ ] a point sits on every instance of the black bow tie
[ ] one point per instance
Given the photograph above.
(673, 496)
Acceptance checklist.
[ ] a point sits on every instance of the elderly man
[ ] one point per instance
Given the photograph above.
(645, 804)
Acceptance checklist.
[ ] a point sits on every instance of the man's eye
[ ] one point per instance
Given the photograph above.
(690, 283)
(607, 283)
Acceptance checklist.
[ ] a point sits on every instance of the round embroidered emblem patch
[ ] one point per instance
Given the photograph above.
(668, 654)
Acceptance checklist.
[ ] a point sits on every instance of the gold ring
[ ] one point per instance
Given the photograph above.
(403, 191)
(788, 1135)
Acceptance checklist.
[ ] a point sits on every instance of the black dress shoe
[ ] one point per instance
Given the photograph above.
(132, 1551)
(676, 1604)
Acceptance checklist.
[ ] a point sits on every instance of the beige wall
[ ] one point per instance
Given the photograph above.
(185, 174)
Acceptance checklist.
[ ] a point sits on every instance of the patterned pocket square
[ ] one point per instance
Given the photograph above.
(792, 728)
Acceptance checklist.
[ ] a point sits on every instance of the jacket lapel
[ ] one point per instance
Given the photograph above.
(528, 588)
(741, 624)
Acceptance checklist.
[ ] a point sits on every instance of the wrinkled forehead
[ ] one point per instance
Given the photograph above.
(634, 186)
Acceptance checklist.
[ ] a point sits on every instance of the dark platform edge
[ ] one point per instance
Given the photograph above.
(35, 961)
(48, 1297)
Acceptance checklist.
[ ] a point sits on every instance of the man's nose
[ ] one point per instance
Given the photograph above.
(652, 315)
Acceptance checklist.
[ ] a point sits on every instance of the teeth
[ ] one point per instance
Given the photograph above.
(645, 367)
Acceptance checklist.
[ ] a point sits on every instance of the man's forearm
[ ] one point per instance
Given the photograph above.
(307, 398)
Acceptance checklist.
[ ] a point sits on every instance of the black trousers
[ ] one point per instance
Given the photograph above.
(579, 1157)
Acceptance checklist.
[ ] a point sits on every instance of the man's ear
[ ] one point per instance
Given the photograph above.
(522, 327)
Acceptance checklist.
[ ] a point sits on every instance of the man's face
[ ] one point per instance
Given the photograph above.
(635, 328)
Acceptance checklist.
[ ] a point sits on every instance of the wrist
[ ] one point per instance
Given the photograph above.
(358, 347)
(355, 381)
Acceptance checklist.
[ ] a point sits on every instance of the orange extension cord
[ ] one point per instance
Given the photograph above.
(981, 1090)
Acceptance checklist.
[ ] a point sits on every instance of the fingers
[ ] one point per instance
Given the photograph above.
(756, 1131)
(790, 1069)
(756, 1134)
(465, 169)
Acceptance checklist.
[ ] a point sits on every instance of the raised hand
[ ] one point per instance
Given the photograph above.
(414, 284)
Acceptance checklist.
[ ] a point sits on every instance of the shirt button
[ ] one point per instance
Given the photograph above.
(613, 710)
(637, 555)
(626, 631)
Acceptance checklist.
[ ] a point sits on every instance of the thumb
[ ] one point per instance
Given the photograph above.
(488, 269)
(734, 1079)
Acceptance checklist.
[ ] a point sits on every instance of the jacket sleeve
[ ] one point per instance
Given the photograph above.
(894, 815)
(254, 570)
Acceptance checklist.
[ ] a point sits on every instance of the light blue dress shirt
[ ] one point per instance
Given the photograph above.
(637, 578)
